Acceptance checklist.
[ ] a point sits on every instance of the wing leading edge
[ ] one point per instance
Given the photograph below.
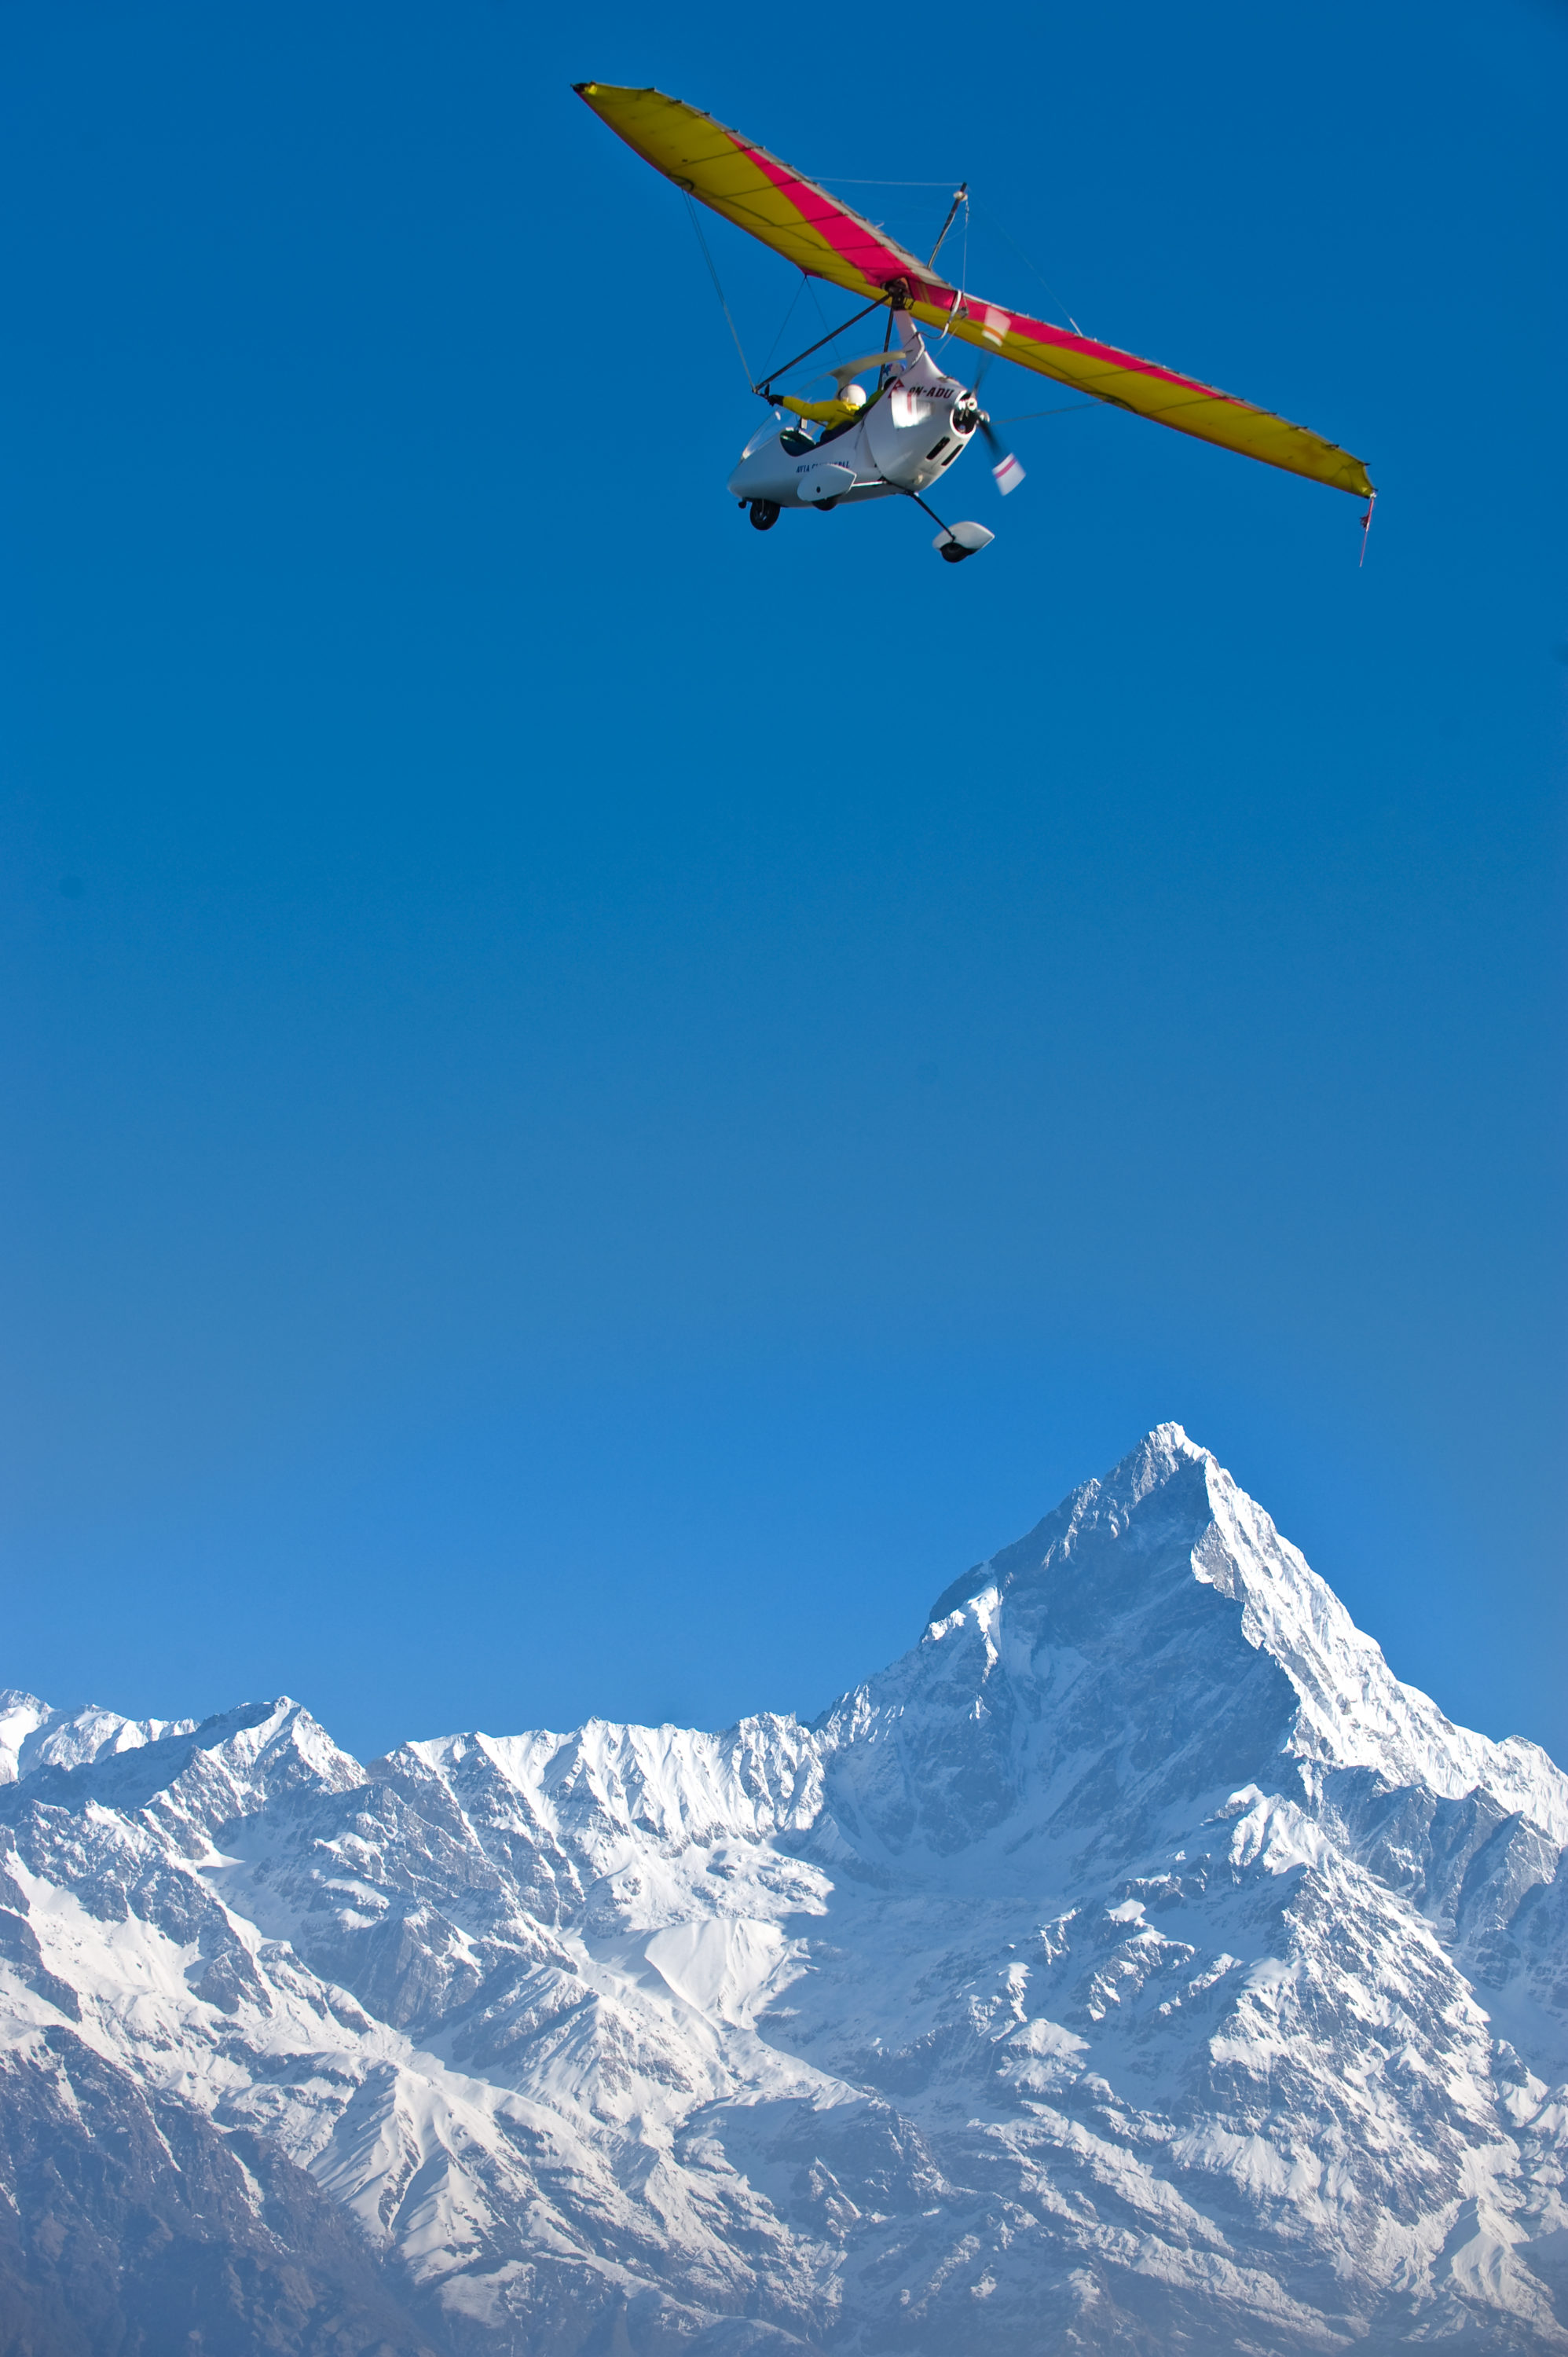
(828, 240)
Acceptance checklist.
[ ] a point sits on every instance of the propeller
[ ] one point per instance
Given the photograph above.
(842, 371)
(1005, 471)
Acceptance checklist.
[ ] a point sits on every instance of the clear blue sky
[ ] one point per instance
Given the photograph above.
(597, 1102)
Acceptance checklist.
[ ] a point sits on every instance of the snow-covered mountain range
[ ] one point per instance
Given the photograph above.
(1136, 1964)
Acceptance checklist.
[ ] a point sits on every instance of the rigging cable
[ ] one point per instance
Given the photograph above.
(767, 369)
(1026, 414)
(1001, 231)
(718, 290)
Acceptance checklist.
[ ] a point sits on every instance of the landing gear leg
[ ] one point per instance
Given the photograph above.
(955, 541)
(764, 514)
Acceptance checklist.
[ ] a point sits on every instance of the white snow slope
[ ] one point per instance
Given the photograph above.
(1135, 1964)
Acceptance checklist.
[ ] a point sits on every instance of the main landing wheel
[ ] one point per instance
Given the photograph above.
(764, 514)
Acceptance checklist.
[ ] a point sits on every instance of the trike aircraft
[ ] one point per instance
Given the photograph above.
(904, 436)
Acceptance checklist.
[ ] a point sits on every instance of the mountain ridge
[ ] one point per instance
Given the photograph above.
(1135, 1962)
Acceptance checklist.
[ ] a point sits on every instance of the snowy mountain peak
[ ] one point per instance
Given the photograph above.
(1110, 1575)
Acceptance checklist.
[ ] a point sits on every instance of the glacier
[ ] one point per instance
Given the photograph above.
(1135, 1964)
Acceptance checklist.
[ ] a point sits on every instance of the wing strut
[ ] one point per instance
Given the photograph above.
(785, 366)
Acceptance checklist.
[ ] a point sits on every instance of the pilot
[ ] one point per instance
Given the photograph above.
(848, 405)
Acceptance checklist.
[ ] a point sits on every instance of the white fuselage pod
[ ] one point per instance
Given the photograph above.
(905, 440)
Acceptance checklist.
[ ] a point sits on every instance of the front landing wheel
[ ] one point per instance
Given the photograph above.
(764, 514)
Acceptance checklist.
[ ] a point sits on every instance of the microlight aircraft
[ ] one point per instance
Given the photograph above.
(907, 434)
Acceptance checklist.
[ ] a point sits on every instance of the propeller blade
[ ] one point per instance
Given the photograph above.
(1006, 472)
(842, 371)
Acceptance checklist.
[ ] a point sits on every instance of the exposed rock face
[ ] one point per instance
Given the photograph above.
(135, 2226)
(1135, 1965)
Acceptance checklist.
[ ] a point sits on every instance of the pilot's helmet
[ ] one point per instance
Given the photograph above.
(856, 395)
